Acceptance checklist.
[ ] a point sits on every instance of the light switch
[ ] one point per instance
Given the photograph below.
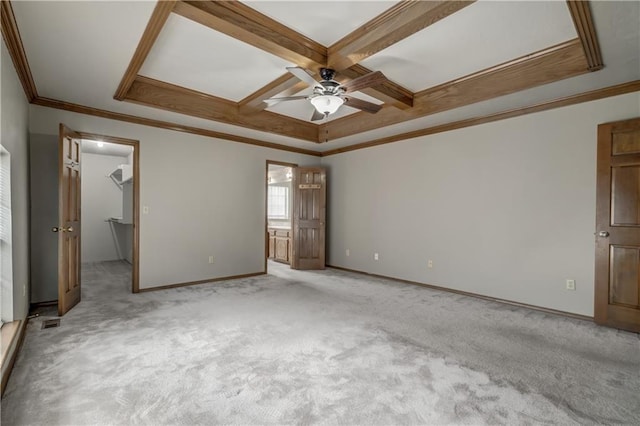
(145, 209)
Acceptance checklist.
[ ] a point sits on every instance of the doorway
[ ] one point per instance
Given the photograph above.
(295, 216)
(279, 208)
(56, 210)
(110, 205)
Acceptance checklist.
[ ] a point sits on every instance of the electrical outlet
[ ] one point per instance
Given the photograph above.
(145, 209)
(571, 284)
(376, 256)
(430, 264)
(347, 252)
(210, 259)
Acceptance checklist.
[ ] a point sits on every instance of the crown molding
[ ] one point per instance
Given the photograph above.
(12, 39)
(606, 92)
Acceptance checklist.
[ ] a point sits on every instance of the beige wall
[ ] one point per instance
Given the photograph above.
(206, 197)
(14, 137)
(505, 209)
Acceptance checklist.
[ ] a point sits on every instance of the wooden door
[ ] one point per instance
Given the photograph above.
(309, 210)
(617, 273)
(69, 227)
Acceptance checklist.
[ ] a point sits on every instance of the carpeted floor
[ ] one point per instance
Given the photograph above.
(325, 347)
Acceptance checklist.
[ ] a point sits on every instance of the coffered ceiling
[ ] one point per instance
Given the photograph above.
(209, 65)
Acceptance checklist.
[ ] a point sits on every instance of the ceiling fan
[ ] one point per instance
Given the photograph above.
(328, 95)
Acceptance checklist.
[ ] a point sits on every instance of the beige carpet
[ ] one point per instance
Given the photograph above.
(324, 347)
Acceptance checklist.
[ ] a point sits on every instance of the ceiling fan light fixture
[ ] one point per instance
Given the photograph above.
(327, 104)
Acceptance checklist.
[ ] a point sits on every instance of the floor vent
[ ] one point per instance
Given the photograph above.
(51, 323)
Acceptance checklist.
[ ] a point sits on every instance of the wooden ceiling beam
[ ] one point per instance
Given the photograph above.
(389, 92)
(583, 21)
(143, 121)
(288, 85)
(546, 66)
(158, 94)
(250, 26)
(619, 89)
(395, 24)
(285, 85)
(154, 26)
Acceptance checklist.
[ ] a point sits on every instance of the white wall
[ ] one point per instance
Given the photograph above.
(505, 209)
(205, 197)
(101, 199)
(14, 137)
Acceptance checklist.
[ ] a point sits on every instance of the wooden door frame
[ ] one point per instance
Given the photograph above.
(135, 273)
(266, 205)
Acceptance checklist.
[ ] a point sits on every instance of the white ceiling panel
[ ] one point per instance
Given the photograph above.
(477, 37)
(323, 21)
(80, 49)
(196, 57)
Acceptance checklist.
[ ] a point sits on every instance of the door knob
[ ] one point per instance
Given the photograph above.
(62, 229)
(603, 234)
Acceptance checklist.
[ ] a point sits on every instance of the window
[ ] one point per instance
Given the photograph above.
(6, 268)
(278, 202)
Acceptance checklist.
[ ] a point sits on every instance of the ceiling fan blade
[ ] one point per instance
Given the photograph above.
(317, 116)
(273, 101)
(368, 80)
(363, 105)
(303, 75)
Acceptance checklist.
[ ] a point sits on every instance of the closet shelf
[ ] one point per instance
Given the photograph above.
(119, 220)
(122, 174)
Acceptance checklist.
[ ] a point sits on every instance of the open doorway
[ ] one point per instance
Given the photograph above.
(57, 234)
(295, 216)
(279, 207)
(110, 207)
(107, 208)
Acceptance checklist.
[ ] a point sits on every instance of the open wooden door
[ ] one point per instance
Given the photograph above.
(69, 227)
(309, 211)
(617, 273)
